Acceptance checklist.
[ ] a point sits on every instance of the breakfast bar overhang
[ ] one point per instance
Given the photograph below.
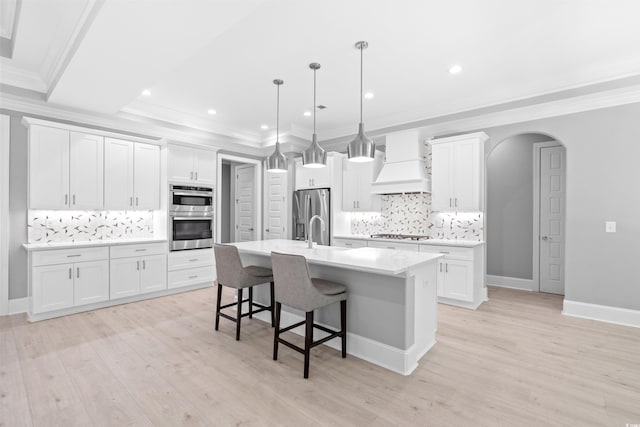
(392, 305)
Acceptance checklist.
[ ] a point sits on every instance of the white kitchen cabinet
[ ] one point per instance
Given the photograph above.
(132, 175)
(68, 277)
(349, 243)
(65, 169)
(457, 172)
(356, 185)
(138, 269)
(314, 177)
(191, 165)
(192, 267)
(460, 274)
(387, 244)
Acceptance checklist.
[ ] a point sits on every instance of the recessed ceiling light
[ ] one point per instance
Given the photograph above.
(455, 69)
(146, 92)
(307, 113)
(264, 127)
(211, 111)
(369, 95)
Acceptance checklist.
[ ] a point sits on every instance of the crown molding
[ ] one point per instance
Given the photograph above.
(129, 124)
(14, 76)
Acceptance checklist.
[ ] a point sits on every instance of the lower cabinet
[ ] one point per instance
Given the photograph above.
(58, 283)
(191, 267)
(455, 279)
(133, 274)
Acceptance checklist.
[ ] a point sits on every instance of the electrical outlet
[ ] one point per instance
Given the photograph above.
(610, 226)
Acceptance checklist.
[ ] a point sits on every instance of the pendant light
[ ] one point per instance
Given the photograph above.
(314, 156)
(362, 148)
(277, 162)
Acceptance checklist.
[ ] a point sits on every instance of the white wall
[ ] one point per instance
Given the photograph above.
(603, 148)
(509, 218)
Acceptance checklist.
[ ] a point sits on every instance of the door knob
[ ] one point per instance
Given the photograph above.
(266, 229)
(544, 238)
(251, 229)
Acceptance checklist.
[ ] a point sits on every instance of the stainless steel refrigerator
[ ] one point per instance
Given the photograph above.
(306, 204)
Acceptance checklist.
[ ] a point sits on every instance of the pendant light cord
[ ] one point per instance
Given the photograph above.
(277, 114)
(361, 48)
(314, 100)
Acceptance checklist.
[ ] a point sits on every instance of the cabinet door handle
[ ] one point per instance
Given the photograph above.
(358, 203)
(74, 199)
(446, 268)
(131, 201)
(66, 199)
(440, 267)
(137, 200)
(78, 272)
(144, 265)
(444, 252)
(193, 260)
(137, 265)
(69, 273)
(354, 204)
(196, 176)
(450, 202)
(191, 177)
(193, 277)
(390, 247)
(348, 244)
(140, 250)
(456, 199)
(74, 255)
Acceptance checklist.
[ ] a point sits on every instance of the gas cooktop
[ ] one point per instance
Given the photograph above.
(399, 236)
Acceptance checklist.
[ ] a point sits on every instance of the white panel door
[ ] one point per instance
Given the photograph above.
(91, 282)
(52, 287)
(125, 277)
(441, 177)
(153, 273)
(466, 176)
(86, 176)
(552, 205)
(180, 163)
(276, 211)
(48, 168)
(118, 174)
(245, 200)
(204, 166)
(146, 176)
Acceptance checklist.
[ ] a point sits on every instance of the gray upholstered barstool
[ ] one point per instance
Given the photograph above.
(231, 273)
(296, 289)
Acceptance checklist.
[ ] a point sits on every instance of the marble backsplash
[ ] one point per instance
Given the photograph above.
(411, 214)
(78, 226)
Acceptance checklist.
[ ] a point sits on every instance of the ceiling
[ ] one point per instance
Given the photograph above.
(196, 55)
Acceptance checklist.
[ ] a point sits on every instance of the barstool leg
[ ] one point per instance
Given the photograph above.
(250, 302)
(273, 305)
(218, 303)
(239, 314)
(343, 326)
(276, 333)
(308, 340)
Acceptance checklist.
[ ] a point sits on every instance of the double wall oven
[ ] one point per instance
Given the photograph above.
(191, 217)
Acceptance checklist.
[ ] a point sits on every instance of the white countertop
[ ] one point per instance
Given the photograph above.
(88, 244)
(435, 242)
(371, 260)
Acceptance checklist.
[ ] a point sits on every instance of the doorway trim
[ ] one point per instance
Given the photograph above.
(537, 147)
(257, 195)
(5, 140)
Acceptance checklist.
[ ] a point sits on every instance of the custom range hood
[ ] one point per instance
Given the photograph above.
(404, 167)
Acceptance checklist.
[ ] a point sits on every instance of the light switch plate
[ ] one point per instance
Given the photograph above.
(610, 226)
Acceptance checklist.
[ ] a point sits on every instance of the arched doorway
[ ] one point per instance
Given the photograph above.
(526, 213)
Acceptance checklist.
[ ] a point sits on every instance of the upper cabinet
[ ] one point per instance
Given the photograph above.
(315, 177)
(65, 169)
(457, 172)
(356, 185)
(132, 175)
(191, 165)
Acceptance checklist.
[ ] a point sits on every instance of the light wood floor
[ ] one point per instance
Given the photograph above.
(516, 361)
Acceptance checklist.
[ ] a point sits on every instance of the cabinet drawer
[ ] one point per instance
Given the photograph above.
(350, 243)
(451, 252)
(127, 251)
(191, 276)
(63, 256)
(194, 258)
(393, 245)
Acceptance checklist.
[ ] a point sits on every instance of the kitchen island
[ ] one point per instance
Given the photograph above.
(391, 305)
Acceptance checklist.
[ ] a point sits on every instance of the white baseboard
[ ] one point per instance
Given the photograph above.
(18, 305)
(510, 282)
(394, 359)
(603, 313)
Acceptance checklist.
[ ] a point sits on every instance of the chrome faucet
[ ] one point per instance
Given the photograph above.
(323, 225)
